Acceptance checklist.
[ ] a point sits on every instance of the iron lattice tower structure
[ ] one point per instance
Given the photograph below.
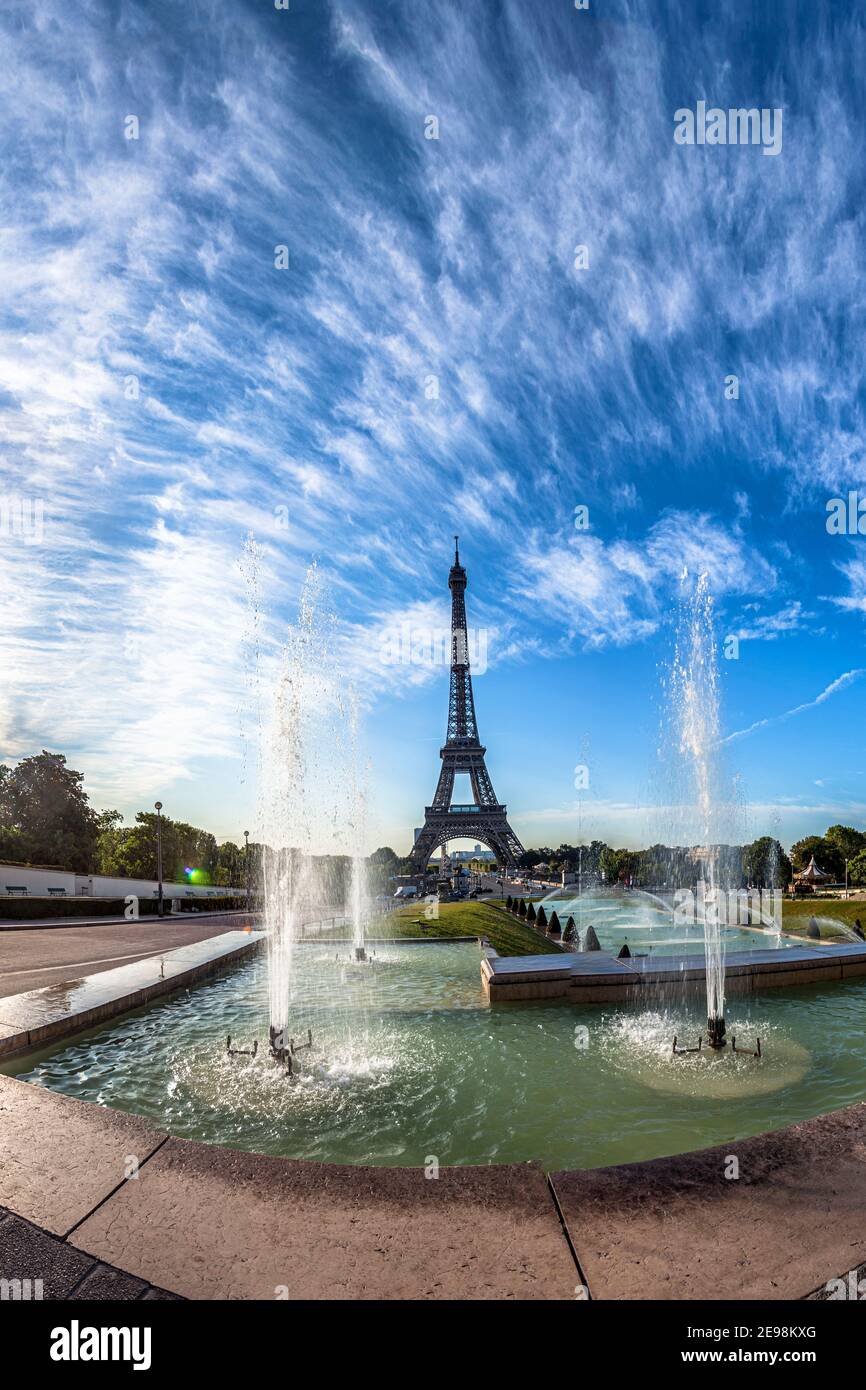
(485, 819)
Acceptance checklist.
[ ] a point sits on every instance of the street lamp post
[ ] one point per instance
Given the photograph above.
(846, 878)
(158, 808)
(247, 864)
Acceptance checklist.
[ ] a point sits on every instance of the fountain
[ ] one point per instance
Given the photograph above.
(411, 1060)
(695, 706)
(356, 823)
(308, 764)
(284, 810)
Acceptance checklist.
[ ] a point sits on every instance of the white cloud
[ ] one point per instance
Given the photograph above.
(840, 683)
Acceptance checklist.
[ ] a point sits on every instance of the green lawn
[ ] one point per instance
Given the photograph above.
(795, 915)
(506, 935)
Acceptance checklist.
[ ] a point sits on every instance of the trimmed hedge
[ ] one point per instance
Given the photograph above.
(14, 908)
(21, 909)
(217, 904)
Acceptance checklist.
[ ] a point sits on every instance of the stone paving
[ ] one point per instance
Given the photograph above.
(221, 1224)
(684, 1228)
(42, 1267)
(210, 1223)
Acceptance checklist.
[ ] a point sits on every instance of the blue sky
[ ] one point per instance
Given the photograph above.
(298, 404)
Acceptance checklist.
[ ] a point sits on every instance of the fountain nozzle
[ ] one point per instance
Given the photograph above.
(360, 953)
(716, 1032)
(277, 1041)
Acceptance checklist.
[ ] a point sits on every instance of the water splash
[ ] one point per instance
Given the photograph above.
(285, 810)
(311, 818)
(359, 900)
(695, 696)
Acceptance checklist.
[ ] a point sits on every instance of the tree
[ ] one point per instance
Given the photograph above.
(629, 863)
(847, 840)
(45, 814)
(230, 870)
(131, 851)
(382, 864)
(608, 863)
(541, 918)
(765, 864)
(385, 855)
(826, 854)
(857, 870)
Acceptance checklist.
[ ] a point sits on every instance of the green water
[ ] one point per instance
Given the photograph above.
(411, 1063)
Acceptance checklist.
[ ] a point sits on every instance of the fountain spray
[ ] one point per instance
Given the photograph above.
(695, 683)
(286, 804)
(359, 904)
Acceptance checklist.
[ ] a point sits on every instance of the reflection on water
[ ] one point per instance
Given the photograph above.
(409, 1061)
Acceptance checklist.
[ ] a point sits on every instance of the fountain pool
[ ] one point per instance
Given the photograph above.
(411, 1063)
(645, 922)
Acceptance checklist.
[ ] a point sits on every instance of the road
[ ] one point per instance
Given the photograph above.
(31, 959)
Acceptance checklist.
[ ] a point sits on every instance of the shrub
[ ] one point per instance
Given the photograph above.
(553, 925)
(521, 911)
(21, 909)
(530, 912)
(541, 919)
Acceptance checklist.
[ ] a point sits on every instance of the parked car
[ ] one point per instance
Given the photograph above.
(407, 890)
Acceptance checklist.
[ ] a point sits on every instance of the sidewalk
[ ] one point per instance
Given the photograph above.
(36, 923)
(32, 959)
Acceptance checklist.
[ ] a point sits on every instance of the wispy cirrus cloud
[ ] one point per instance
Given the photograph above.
(619, 592)
(432, 360)
(768, 627)
(854, 571)
(841, 683)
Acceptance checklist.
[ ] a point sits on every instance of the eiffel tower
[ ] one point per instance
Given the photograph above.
(485, 820)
